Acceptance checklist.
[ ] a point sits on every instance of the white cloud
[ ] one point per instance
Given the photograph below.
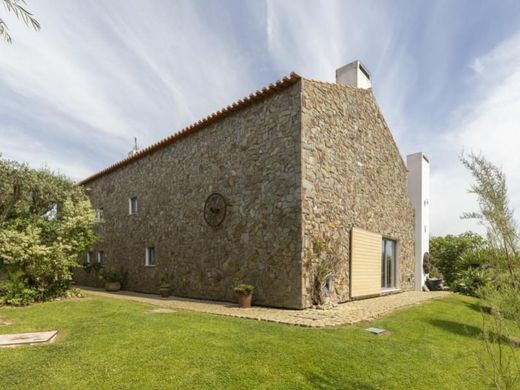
(317, 38)
(23, 147)
(489, 123)
(100, 73)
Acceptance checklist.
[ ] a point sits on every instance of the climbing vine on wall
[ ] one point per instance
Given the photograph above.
(322, 265)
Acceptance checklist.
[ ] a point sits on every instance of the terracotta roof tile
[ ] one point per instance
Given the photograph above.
(242, 103)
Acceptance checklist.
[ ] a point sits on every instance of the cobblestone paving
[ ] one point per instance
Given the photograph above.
(342, 314)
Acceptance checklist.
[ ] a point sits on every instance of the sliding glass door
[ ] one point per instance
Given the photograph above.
(388, 264)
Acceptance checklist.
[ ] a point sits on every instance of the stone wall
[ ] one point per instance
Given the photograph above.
(352, 175)
(252, 158)
(312, 160)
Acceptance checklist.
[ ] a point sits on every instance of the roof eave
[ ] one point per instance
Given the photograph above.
(199, 125)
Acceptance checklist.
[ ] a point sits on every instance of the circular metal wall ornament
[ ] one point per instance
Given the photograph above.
(215, 209)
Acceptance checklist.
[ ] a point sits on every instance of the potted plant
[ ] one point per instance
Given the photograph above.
(433, 282)
(165, 289)
(245, 294)
(112, 279)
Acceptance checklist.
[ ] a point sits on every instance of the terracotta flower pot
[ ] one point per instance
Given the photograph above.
(112, 286)
(244, 300)
(164, 292)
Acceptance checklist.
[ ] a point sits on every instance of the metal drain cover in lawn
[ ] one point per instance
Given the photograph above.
(376, 331)
(15, 339)
(160, 311)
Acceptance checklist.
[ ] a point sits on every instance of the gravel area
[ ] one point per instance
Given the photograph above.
(342, 314)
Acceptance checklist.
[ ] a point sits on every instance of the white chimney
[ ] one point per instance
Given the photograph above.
(354, 75)
(419, 193)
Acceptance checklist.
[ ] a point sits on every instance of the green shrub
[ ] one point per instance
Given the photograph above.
(13, 290)
(470, 281)
(165, 278)
(503, 297)
(244, 289)
(111, 275)
(451, 255)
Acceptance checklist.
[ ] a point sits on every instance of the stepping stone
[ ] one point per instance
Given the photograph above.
(160, 311)
(15, 339)
(376, 331)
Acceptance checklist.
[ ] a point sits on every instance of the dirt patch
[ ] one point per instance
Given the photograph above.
(5, 321)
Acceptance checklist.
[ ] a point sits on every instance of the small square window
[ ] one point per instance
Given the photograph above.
(101, 257)
(150, 256)
(89, 257)
(99, 215)
(132, 205)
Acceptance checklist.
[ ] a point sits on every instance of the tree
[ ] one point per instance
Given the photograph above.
(454, 254)
(16, 7)
(46, 223)
(495, 215)
(503, 294)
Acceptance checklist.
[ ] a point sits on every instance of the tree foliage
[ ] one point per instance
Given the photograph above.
(495, 215)
(46, 222)
(503, 294)
(17, 8)
(452, 255)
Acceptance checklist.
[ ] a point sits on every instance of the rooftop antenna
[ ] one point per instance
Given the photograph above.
(135, 149)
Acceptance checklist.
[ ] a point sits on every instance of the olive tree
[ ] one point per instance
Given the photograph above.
(46, 223)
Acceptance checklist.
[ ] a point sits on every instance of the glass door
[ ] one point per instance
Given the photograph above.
(388, 264)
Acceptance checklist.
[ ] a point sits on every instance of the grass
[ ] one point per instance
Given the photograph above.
(107, 343)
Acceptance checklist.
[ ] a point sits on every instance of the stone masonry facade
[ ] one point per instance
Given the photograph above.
(251, 157)
(353, 176)
(309, 160)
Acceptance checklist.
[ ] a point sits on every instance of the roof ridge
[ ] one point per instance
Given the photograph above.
(201, 123)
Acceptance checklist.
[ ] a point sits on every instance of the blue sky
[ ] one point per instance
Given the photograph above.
(445, 73)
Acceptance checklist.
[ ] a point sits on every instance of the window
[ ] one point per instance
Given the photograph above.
(389, 264)
(132, 205)
(150, 256)
(101, 257)
(99, 215)
(89, 257)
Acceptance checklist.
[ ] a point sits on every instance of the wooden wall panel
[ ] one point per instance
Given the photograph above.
(365, 272)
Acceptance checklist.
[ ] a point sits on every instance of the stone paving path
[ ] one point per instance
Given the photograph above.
(16, 339)
(342, 314)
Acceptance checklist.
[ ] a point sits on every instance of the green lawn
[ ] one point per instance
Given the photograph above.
(107, 343)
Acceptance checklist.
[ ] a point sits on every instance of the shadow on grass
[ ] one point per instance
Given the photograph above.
(473, 306)
(457, 328)
(321, 381)
(464, 330)
(478, 307)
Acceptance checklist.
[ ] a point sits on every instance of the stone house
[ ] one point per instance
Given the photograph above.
(298, 189)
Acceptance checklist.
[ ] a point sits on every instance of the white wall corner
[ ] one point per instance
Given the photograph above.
(419, 192)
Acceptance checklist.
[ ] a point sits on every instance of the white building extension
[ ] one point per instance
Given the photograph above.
(419, 192)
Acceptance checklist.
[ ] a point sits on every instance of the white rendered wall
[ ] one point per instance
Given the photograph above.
(419, 192)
